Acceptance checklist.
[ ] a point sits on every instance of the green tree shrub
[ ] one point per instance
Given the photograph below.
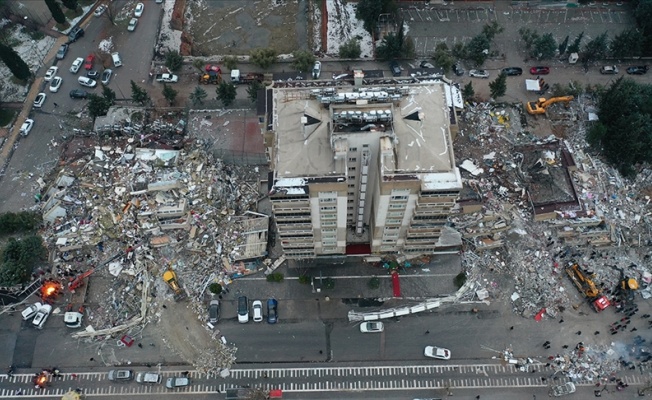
(305, 279)
(215, 288)
(302, 60)
(173, 60)
(374, 283)
(275, 277)
(263, 58)
(459, 280)
(350, 49)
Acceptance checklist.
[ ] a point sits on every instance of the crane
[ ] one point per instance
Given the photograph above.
(539, 106)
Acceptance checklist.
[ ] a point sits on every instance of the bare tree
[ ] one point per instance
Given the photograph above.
(111, 12)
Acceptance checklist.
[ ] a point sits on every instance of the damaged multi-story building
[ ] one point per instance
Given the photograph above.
(361, 170)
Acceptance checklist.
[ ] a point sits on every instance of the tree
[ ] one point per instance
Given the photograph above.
(56, 12)
(303, 60)
(350, 49)
(499, 86)
(19, 258)
(477, 50)
(173, 60)
(197, 96)
(97, 105)
(199, 64)
(111, 12)
(252, 90)
(529, 38)
(226, 93)
(544, 47)
(263, 58)
(138, 94)
(16, 65)
(575, 47)
(492, 29)
(19, 222)
(231, 62)
(467, 91)
(108, 94)
(642, 11)
(597, 48)
(70, 4)
(368, 12)
(627, 43)
(443, 57)
(563, 46)
(169, 93)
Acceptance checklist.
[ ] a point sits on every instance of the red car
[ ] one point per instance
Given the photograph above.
(88, 64)
(214, 68)
(540, 70)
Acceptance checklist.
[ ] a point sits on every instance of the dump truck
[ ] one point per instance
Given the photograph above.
(170, 277)
(211, 78)
(237, 77)
(539, 106)
(587, 287)
(166, 78)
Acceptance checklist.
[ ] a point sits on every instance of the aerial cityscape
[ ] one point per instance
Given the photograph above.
(325, 199)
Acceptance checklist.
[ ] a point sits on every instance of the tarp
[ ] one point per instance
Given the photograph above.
(396, 284)
(532, 85)
(539, 315)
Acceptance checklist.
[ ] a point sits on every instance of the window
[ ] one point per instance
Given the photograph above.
(352, 159)
(327, 200)
(352, 149)
(351, 177)
(329, 223)
(393, 221)
(395, 214)
(391, 228)
(351, 168)
(328, 216)
(328, 208)
(351, 186)
(399, 198)
(397, 206)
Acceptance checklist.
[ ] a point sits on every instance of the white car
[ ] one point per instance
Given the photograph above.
(132, 24)
(177, 382)
(76, 65)
(52, 71)
(55, 84)
(148, 378)
(99, 10)
(31, 311)
(138, 12)
(26, 127)
(479, 73)
(316, 70)
(562, 390)
(42, 316)
(257, 307)
(39, 100)
(437, 352)
(372, 327)
(86, 81)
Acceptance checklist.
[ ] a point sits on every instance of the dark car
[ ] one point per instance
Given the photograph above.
(121, 375)
(214, 311)
(638, 70)
(75, 34)
(78, 94)
(457, 69)
(512, 71)
(272, 311)
(395, 68)
(93, 74)
(540, 70)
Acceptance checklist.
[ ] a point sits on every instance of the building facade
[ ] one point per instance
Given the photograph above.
(360, 170)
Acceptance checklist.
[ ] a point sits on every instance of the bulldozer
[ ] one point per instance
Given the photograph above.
(170, 277)
(539, 106)
(211, 77)
(587, 287)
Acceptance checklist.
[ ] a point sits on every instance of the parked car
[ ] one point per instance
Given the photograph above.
(121, 375)
(44, 312)
(78, 94)
(63, 50)
(177, 382)
(76, 65)
(86, 81)
(372, 327)
(148, 378)
(30, 311)
(562, 390)
(51, 72)
(609, 70)
(88, 63)
(138, 11)
(243, 309)
(93, 74)
(479, 73)
(257, 307)
(512, 71)
(637, 70)
(117, 61)
(132, 24)
(106, 76)
(25, 128)
(540, 70)
(39, 100)
(75, 34)
(395, 68)
(437, 352)
(99, 10)
(458, 69)
(272, 311)
(55, 84)
(426, 64)
(316, 70)
(214, 311)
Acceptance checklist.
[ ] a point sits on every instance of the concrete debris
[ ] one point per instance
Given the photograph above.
(553, 202)
(154, 208)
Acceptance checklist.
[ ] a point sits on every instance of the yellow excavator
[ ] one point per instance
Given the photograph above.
(539, 106)
(587, 287)
(170, 277)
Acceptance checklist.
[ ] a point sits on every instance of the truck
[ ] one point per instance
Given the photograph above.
(166, 78)
(170, 277)
(237, 77)
(211, 77)
(587, 287)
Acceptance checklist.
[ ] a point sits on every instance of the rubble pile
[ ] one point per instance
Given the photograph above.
(131, 213)
(553, 202)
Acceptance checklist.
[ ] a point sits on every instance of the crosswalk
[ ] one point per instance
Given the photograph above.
(318, 379)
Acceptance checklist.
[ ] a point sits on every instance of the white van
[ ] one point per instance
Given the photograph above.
(117, 61)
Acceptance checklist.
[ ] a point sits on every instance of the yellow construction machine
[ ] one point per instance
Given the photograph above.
(170, 277)
(587, 287)
(539, 106)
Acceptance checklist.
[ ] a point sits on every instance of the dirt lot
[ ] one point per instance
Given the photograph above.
(235, 27)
